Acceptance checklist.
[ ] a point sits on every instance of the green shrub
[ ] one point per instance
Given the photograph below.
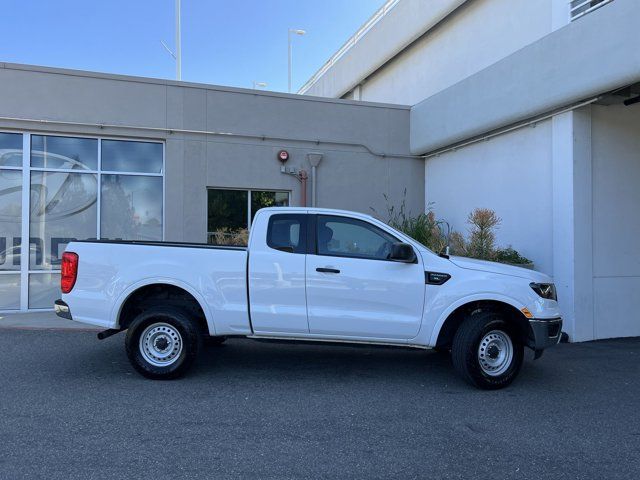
(509, 255)
(424, 227)
(429, 231)
(481, 234)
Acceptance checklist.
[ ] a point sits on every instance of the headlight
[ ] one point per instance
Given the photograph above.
(545, 290)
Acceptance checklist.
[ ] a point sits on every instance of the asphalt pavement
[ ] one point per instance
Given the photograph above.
(71, 407)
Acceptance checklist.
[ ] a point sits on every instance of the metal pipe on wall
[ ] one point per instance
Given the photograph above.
(170, 131)
(303, 176)
(314, 159)
(314, 187)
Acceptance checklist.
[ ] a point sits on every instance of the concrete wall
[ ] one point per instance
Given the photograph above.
(477, 35)
(510, 174)
(401, 26)
(616, 221)
(350, 175)
(592, 55)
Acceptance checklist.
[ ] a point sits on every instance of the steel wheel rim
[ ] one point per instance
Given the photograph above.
(495, 353)
(161, 344)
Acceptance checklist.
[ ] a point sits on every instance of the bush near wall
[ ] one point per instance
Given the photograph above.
(437, 235)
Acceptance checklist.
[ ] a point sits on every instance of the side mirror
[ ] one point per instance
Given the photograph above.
(402, 252)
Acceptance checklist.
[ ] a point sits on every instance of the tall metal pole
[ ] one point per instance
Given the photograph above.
(178, 45)
(289, 44)
(297, 31)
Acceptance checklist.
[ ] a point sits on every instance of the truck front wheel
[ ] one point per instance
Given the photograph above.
(487, 351)
(162, 342)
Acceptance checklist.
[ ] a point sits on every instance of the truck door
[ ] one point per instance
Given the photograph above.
(353, 290)
(277, 296)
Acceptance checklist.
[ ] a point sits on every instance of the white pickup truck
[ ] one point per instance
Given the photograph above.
(315, 275)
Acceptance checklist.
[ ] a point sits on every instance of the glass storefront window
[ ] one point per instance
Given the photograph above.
(10, 150)
(64, 152)
(10, 219)
(227, 219)
(229, 213)
(131, 207)
(262, 199)
(10, 291)
(63, 208)
(66, 186)
(44, 289)
(128, 156)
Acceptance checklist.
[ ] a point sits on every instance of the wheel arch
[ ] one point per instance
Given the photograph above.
(174, 292)
(452, 319)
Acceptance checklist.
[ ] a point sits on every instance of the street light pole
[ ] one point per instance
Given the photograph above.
(178, 43)
(297, 32)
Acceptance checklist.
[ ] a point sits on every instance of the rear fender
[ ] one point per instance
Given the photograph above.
(117, 308)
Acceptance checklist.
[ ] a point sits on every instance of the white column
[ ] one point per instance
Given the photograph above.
(573, 221)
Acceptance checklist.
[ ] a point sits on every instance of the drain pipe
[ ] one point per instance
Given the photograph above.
(314, 159)
(303, 176)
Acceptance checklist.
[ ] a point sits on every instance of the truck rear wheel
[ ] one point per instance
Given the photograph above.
(163, 342)
(487, 352)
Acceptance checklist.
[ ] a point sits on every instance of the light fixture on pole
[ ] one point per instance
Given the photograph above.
(257, 85)
(295, 31)
(177, 56)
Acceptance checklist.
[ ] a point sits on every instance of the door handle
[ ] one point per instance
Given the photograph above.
(327, 270)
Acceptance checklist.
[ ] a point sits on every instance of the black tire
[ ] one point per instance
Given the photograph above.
(190, 339)
(466, 345)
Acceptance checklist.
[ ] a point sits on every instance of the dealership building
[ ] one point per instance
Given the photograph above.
(528, 108)
(85, 155)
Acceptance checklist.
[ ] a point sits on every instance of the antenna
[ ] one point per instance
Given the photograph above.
(168, 49)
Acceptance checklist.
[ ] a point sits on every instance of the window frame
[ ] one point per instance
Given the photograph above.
(249, 192)
(350, 220)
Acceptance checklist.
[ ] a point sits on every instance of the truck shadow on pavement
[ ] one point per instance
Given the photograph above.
(247, 361)
(293, 362)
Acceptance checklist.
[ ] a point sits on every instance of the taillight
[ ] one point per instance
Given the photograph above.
(69, 271)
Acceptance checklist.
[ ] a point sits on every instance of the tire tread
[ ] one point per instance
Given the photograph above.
(464, 350)
(191, 338)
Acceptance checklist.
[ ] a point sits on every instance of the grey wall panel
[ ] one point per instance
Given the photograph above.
(174, 190)
(195, 196)
(349, 176)
(566, 66)
(81, 99)
(194, 109)
(301, 118)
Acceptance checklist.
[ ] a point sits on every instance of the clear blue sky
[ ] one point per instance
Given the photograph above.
(224, 42)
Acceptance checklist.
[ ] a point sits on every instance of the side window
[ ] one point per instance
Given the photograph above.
(288, 233)
(348, 237)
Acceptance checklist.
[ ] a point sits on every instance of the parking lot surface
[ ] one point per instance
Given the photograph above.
(72, 407)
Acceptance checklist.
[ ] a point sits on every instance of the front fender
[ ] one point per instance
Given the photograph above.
(490, 296)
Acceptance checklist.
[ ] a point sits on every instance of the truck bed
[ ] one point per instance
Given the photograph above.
(110, 270)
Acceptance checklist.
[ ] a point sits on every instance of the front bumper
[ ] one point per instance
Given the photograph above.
(546, 332)
(62, 309)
